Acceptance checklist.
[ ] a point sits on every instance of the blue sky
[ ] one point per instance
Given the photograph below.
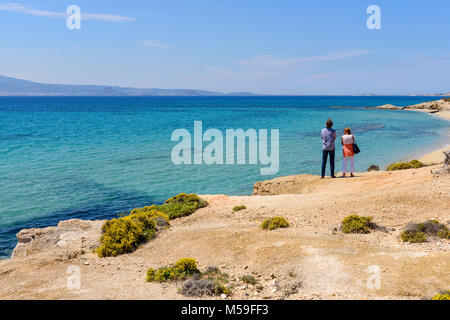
(274, 47)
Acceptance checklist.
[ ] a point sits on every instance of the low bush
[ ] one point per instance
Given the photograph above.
(176, 207)
(188, 199)
(274, 223)
(249, 279)
(198, 288)
(418, 232)
(179, 206)
(125, 234)
(356, 224)
(211, 270)
(444, 295)
(197, 284)
(177, 210)
(202, 287)
(214, 273)
(187, 265)
(413, 237)
(151, 209)
(444, 234)
(182, 269)
(239, 208)
(413, 164)
(218, 278)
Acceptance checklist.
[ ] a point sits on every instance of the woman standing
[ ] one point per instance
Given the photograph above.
(347, 141)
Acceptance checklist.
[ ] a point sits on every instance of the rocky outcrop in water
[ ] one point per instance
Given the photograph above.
(431, 106)
(389, 107)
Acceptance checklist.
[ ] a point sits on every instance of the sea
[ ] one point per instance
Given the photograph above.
(96, 157)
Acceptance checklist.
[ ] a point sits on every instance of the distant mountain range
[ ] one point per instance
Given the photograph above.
(18, 87)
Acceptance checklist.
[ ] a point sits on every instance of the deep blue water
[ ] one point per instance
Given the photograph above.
(94, 157)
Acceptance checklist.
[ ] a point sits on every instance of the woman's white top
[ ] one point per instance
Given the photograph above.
(347, 139)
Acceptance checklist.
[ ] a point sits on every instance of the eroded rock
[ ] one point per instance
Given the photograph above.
(68, 238)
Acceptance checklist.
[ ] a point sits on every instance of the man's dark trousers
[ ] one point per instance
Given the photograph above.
(324, 161)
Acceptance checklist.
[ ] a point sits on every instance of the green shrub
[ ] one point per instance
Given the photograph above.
(211, 270)
(152, 210)
(239, 208)
(176, 207)
(418, 232)
(416, 164)
(188, 199)
(444, 295)
(211, 282)
(161, 274)
(182, 205)
(183, 268)
(356, 224)
(177, 210)
(249, 279)
(413, 237)
(187, 265)
(275, 223)
(125, 234)
(444, 234)
(446, 99)
(413, 164)
(219, 289)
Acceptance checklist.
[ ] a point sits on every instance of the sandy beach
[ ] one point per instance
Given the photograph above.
(435, 157)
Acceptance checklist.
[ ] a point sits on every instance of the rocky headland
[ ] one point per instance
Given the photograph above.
(440, 107)
(312, 259)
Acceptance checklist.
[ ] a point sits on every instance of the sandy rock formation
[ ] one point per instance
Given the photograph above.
(67, 239)
(432, 106)
(304, 183)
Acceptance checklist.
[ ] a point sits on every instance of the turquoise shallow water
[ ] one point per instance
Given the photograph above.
(64, 157)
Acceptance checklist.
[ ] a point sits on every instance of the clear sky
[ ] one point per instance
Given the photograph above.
(274, 47)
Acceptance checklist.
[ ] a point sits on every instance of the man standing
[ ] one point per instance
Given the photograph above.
(328, 138)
